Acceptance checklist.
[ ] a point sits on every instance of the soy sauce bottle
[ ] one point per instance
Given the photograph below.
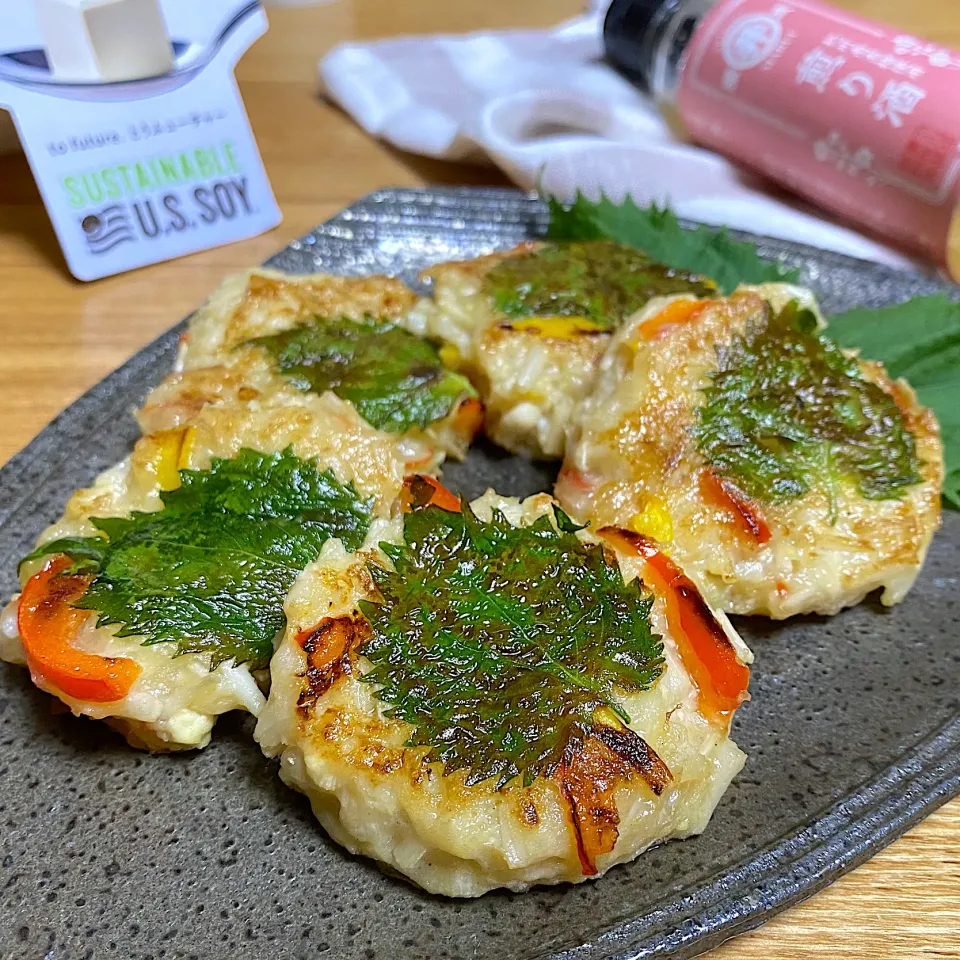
(858, 117)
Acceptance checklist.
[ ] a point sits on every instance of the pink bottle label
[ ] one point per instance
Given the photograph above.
(862, 119)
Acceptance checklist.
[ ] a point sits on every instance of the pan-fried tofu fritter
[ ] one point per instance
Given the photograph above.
(491, 697)
(530, 325)
(189, 570)
(326, 333)
(785, 475)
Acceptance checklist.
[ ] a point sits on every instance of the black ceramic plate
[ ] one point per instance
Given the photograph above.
(853, 732)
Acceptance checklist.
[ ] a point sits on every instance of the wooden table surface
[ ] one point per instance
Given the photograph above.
(61, 336)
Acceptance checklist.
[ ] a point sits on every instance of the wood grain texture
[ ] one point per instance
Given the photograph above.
(60, 336)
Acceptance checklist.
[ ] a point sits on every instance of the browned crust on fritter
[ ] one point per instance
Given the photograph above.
(181, 396)
(588, 780)
(653, 443)
(301, 299)
(363, 741)
(330, 648)
(478, 267)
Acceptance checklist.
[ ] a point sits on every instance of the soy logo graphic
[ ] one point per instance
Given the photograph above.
(107, 228)
(161, 196)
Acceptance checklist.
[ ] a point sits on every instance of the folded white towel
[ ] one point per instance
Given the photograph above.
(544, 107)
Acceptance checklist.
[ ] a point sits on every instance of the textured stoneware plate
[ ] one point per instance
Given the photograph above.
(853, 732)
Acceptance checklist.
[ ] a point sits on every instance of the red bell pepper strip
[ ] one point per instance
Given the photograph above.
(707, 653)
(746, 514)
(421, 491)
(47, 622)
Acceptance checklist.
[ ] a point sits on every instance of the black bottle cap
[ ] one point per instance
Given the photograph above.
(630, 36)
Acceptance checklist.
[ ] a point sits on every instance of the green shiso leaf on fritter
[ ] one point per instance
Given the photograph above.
(498, 644)
(787, 411)
(210, 570)
(597, 279)
(395, 379)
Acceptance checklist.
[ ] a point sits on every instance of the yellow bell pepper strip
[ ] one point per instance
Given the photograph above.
(160, 456)
(558, 328)
(653, 520)
(468, 418)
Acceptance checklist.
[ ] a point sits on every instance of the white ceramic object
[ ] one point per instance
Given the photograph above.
(104, 40)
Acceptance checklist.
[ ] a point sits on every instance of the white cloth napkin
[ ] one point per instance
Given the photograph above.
(544, 107)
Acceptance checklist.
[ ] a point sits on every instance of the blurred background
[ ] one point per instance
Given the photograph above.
(303, 30)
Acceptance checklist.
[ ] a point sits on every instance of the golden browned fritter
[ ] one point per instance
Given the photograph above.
(159, 697)
(322, 332)
(785, 475)
(530, 325)
(472, 725)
